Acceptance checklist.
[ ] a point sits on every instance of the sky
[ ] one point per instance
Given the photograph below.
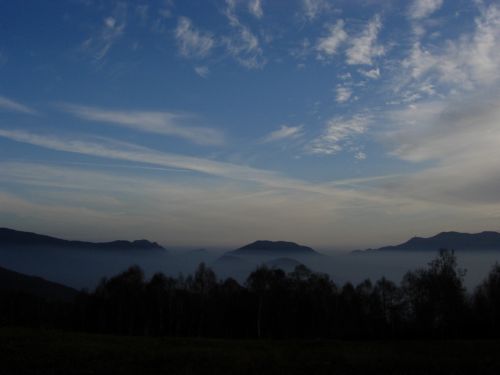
(213, 123)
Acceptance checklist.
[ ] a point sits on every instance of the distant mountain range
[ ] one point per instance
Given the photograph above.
(15, 239)
(273, 248)
(448, 240)
(273, 254)
(11, 281)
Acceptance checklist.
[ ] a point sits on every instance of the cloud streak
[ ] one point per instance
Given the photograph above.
(11, 105)
(111, 149)
(165, 123)
(284, 132)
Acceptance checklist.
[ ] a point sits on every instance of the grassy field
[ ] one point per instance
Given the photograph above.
(24, 351)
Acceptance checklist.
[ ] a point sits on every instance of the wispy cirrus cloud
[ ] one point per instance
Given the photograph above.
(14, 106)
(338, 133)
(110, 31)
(458, 139)
(109, 148)
(243, 45)
(371, 73)
(165, 123)
(343, 94)
(284, 132)
(364, 47)
(329, 44)
(202, 70)
(112, 149)
(255, 7)
(467, 63)
(192, 42)
(423, 8)
(312, 8)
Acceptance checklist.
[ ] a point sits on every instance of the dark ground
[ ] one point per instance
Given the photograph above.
(25, 351)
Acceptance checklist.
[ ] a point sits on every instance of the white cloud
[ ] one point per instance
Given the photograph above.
(360, 155)
(343, 94)
(192, 42)
(242, 45)
(338, 133)
(469, 61)
(364, 47)
(312, 8)
(255, 7)
(423, 8)
(202, 71)
(329, 44)
(11, 105)
(166, 123)
(111, 149)
(112, 29)
(125, 151)
(284, 132)
(445, 130)
(372, 73)
(456, 135)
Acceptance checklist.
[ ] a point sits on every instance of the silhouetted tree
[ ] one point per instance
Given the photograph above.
(487, 303)
(389, 305)
(435, 296)
(431, 302)
(264, 282)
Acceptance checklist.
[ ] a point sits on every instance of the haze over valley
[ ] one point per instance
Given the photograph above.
(83, 264)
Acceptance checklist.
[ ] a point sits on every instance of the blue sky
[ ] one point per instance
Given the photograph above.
(338, 124)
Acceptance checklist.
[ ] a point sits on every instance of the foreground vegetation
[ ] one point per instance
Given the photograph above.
(429, 303)
(35, 351)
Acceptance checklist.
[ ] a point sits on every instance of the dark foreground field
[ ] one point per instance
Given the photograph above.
(24, 351)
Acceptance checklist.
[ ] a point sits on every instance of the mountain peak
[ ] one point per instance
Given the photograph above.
(274, 247)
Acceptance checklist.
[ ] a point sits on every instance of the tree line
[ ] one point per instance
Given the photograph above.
(429, 302)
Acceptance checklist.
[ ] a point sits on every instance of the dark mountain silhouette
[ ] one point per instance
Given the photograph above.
(14, 238)
(286, 264)
(276, 248)
(450, 240)
(11, 281)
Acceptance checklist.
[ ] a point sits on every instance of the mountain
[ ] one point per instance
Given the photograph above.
(286, 264)
(11, 281)
(274, 248)
(449, 240)
(14, 238)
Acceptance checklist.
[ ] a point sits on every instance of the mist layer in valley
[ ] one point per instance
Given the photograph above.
(84, 269)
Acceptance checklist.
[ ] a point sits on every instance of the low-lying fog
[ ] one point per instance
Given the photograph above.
(84, 269)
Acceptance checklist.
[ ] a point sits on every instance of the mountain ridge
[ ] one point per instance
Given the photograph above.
(458, 241)
(16, 282)
(16, 238)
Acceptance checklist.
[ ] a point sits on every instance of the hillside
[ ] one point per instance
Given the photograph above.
(450, 240)
(14, 238)
(11, 281)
